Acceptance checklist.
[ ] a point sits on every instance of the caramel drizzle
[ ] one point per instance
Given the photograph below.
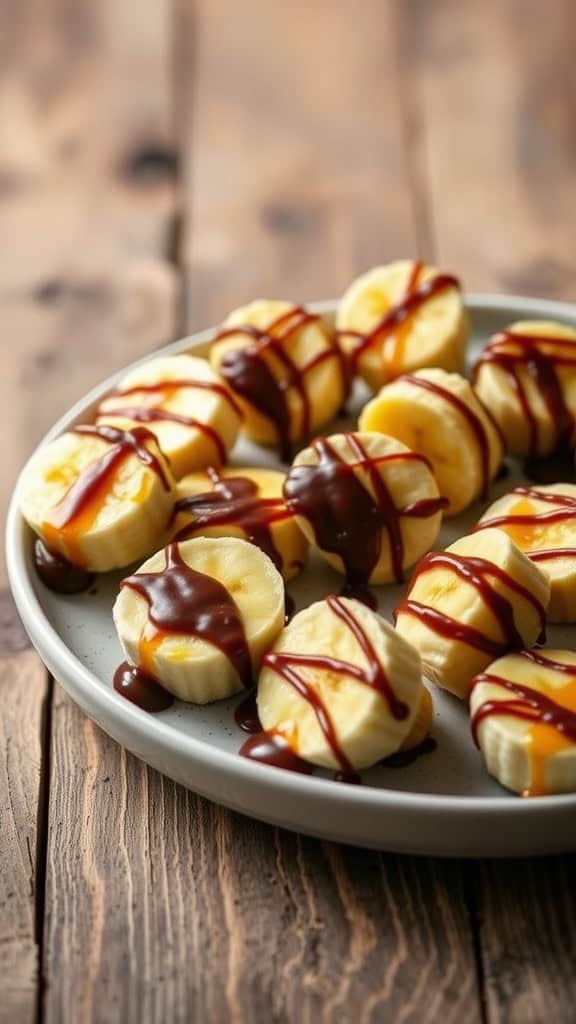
(157, 414)
(334, 500)
(249, 374)
(565, 510)
(89, 491)
(476, 572)
(183, 601)
(287, 665)
(529, 705)
(235, 500)
(474, 422)
(541, 366)
(399, 315)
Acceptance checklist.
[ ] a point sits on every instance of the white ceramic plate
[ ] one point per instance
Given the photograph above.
(444, 803)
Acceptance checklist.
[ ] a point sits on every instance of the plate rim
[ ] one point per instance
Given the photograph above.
(79, 681)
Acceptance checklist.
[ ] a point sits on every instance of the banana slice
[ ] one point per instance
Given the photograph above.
(244, 502)
(526, 375)
(542, 522)
(402, 317)
(340, 686)
(369, 504)
(437, 414)
(523, 711)
(470, 604)
(98, 496)
(198, 616)
(422, 724)
(184, 403)
(285, 369)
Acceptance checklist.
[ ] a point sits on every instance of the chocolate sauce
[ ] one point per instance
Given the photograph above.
(399, 314)
(235, 500)
(141, 414)
(168, 386)
(289, 607)
(531, 705)
(57, 573)
(127, 442)
(270, 748)
(249, 374)
(141, 689)
(182, 600)
(474, 422)
(347, 519)
(287, 666)
(540, 356)
(403, 758)
(246, 714)
(565, 510)
(477, 573)
(559, 466)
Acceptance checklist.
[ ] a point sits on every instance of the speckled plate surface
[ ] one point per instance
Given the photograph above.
(444, 803)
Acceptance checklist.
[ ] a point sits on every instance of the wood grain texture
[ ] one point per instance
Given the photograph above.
(491, 118)
(87, 201)
(496, 98)
(294, 159)
(23, 693)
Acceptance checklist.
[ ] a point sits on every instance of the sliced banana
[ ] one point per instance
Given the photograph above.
(523, 711)
(242, 502)
(526, 375)
(542, 522)
(369, 504)
(206, 612)
(101, 498)
(285, 369)
(340, 686)
(471, 603)
(184, 403)
(437, 414)
(422, 724)
(401, 317)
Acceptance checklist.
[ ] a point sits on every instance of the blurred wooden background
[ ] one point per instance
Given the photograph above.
(160, 162)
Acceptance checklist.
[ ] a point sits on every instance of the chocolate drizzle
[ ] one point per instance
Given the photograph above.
(472, 419)
(529, 704)
(141, 689)
(476, 572)
(57, 573)
(403, 758)
(158, 414)
(289, 666)
(235, 500)
(347, 519)
(564, 511)
(540, 357)
(182, 600)
(249, 371)
(399, 315)
(270, 748)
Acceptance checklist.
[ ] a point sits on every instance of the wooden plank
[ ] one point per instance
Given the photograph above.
(494, 118)
(23, 693)
(298, 178)
(496, 115)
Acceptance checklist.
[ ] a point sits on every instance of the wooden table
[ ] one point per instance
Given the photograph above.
(159, 163)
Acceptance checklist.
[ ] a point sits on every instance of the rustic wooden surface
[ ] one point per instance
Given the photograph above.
(160, 162)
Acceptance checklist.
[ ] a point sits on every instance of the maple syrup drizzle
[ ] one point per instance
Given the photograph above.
(346, 518)
(528, 353)
(477, 573)
(183, 601)
(249, 374)
(289, 666)
(532, 706)
(400, 314)
(235, 501)
(474, 422)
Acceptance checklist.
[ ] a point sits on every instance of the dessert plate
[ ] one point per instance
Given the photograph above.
(442, 804)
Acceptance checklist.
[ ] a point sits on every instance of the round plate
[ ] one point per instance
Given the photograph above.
(444, 803)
